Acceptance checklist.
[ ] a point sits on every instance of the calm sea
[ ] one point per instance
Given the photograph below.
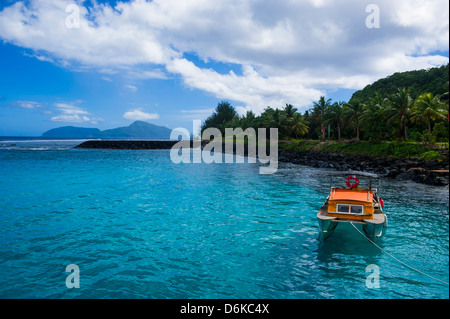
(139, 226)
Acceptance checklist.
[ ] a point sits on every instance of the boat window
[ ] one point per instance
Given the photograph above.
(350, 209)
(356, 209)
(343, 208)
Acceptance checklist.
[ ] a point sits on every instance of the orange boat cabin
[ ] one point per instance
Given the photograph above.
(355, 203)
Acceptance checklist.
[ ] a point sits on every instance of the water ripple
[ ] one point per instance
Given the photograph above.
(139, 226)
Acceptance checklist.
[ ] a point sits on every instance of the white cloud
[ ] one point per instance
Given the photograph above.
(105, 78)
(95, 120)
(143, 75)
(288, 50)
(74, 118)
(73, 114)
(139, 115)
(40, 57)
(107, 71)
(256, 91)
(132, 88)
(28, 104)
(70, 109)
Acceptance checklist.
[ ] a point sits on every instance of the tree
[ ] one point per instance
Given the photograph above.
(249, 120)
(299, 125)
(419, 81)
(335, 115)
(399, 109)
(373, 105)
(273, 118)
(428, 108)
(319, 111)
(288, 115)
(289, 111)
(354, 114)
(375, 126)
(223, 115)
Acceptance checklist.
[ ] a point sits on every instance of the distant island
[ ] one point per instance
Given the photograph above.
(71, 132)
(136, 130)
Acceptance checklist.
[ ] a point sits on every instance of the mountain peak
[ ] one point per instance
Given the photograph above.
(136, 130)
(71, 132)
(140, 123)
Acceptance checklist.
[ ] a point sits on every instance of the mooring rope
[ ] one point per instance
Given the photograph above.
(404, 264)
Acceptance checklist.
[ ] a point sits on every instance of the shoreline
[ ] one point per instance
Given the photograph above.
(402, 169)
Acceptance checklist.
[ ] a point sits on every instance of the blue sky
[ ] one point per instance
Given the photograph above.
(30, 88)
(169, 62)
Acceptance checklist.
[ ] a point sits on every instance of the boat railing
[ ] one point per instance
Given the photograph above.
(368, 181)
(373, 189)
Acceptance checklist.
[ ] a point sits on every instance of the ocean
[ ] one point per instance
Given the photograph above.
(139, 226)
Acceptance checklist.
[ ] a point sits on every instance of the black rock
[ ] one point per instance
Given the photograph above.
(418, 178)
(441, 181)
(404, 176)
(429, 180)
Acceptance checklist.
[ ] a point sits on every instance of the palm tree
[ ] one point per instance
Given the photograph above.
(354, 113)
(399, 109)
(373, 106)
(335, 115)
(319, 110)
(373, 117)
(428, 108)
(288, 118)
(273, 118)
(299, 125)
(289, 110)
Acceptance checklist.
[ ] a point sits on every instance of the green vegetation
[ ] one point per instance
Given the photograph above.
(387, 149)
(403, 115)
(290, 124)
(222, 117)
(434, 81)
(300, 145)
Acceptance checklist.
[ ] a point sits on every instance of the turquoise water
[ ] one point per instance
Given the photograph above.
(139, 226)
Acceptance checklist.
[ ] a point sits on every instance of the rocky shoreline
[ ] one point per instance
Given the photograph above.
(416, 170)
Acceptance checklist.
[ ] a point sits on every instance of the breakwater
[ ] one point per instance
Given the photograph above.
(402, 169)
(127, 144)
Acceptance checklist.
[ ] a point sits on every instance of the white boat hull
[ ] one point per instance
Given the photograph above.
(326, 228)
(373, 228)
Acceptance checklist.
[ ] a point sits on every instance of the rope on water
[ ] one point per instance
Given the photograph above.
(404, 264)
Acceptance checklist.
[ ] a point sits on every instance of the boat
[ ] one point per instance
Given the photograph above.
(362, 207)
